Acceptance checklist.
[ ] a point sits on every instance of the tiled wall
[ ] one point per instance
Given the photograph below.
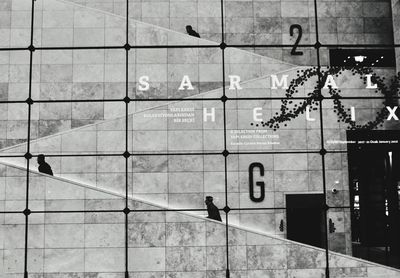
(268, 22)
(98, 74)
(183, 181)
(65, 74)
(160, 244)
(175, 180)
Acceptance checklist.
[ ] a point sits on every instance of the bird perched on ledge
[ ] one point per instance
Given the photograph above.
(191, 32)
(213, 212)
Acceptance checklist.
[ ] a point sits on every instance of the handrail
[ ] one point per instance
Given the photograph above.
(144, 110)
(274, 237)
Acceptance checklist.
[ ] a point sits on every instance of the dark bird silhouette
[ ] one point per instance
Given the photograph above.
(44, 167)
(213, 212)
(191, 32)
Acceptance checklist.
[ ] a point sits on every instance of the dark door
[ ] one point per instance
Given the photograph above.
(374, 168)
(305, 218)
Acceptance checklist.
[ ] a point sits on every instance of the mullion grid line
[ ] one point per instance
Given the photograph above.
(202, 46)
(176, 154)
(186, 99)
(323, 151)
(225, 152)
(156, 210)
(28, 155)
(126, 154)
(222, 46)
(107, 211)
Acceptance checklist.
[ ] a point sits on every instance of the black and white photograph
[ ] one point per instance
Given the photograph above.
(199, 138)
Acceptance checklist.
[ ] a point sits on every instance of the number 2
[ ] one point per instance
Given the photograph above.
(298, 27)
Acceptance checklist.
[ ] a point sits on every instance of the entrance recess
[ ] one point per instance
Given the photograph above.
(305, 218)
(374, 173)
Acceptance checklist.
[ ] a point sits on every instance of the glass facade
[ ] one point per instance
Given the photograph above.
(284, 112)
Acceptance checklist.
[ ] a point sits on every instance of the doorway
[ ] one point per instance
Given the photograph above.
(374, 179)
(305, 218)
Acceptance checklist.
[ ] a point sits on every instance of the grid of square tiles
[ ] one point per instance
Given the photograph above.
(28, 124)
